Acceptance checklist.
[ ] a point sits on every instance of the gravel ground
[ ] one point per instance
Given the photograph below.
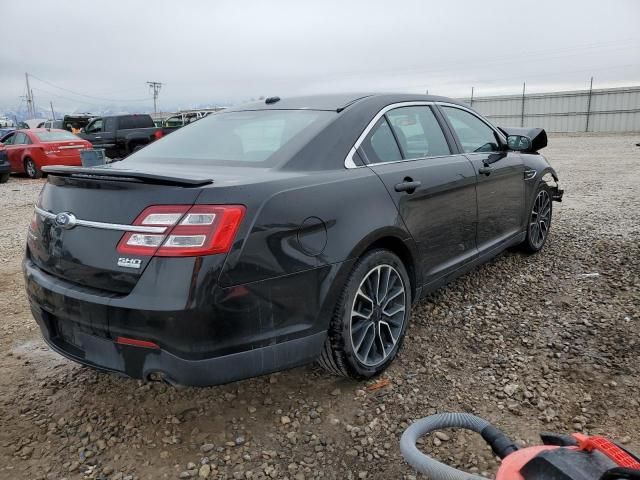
(547, 342)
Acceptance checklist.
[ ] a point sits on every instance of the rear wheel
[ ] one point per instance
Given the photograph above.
(31, 169)
(4, 178)
(539, 222)
(371, 317)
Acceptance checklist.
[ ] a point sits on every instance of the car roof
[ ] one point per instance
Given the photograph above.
(337, 102)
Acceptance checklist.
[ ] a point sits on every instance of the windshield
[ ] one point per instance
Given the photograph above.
(53, 136)
(251, 138)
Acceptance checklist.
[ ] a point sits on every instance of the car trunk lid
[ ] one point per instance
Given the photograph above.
(110, 199)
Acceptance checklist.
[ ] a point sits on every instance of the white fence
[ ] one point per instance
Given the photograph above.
(601, 110)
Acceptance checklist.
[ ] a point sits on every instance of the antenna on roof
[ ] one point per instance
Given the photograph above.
(271, 100)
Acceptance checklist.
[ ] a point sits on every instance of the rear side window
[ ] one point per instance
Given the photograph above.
(21, 139)
(418, 132)
(135, 121)
(248, 137)
(473, 133)
(380, 145)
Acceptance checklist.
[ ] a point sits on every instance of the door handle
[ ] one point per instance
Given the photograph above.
(97, 138)
(408, 185)
(485, 170)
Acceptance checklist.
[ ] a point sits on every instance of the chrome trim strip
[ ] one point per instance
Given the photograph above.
(348, 161)
(105, 226)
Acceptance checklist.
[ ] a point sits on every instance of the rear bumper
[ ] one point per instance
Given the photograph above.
(71, 159)
(135, 362)
(229, 334)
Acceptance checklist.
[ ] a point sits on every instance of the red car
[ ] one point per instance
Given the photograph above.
(30, 150)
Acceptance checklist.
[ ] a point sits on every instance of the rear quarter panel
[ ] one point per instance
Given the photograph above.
(349, 210)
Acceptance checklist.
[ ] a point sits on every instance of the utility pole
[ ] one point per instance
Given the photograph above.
(471, 103)
(589, 104)
(53, 114)
(524, 86)
(31, 106)
(155, 86)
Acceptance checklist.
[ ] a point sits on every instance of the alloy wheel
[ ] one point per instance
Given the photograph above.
(31, 168)
(378, 314)
(540, 219)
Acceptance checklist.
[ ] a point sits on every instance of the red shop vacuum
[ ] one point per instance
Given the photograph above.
(560, 457)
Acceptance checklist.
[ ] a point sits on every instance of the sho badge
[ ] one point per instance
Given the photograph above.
(129, 262)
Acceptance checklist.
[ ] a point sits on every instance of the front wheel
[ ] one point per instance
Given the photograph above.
(4, 178)
(371, 317)
(539, 222)
(31, 169)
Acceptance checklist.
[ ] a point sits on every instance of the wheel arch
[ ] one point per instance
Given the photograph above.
(398, 243)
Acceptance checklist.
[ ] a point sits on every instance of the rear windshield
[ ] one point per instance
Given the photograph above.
(55, 136)
(251, 138)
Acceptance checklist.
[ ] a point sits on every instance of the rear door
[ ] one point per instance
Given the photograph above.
(500, 177)
(432, 186)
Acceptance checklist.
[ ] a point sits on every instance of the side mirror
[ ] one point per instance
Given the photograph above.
(519, 143)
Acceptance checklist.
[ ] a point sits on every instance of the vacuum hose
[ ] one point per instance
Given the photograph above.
(499, 442)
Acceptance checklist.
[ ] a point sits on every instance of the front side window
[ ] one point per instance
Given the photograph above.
(252, 138)
(8, 140)
(95, 127)
(380, 145)
(474, 135)
(418, 132)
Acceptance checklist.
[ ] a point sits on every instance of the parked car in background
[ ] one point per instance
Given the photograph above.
(7, 122)
(5, 130)
(280, 232)
(30, 150)
(77, 121)
(186, 117)
(121, 135)
(33, 123)
(5, 166)
(58, 124)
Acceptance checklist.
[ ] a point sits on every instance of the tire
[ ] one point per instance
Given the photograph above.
(31, 169)
(4, 178)
(137, 148)
(347, 340)
(539, 225)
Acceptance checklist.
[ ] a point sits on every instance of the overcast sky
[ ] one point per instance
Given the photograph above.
(83, 54)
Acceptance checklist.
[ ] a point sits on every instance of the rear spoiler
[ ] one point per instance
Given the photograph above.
(123, 175)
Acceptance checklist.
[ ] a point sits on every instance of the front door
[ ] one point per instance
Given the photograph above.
(433, 189)
(14, 146)
(94, 132)
(500, 173)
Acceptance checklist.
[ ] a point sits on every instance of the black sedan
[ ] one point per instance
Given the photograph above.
(278, 233)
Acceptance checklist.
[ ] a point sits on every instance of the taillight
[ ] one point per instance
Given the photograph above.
(158, 134)
(199, 230)
(48, 148)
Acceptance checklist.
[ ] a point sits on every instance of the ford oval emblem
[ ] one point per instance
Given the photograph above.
(66, 220)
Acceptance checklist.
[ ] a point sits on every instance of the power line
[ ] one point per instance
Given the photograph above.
(88, 96)
(155, 86)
